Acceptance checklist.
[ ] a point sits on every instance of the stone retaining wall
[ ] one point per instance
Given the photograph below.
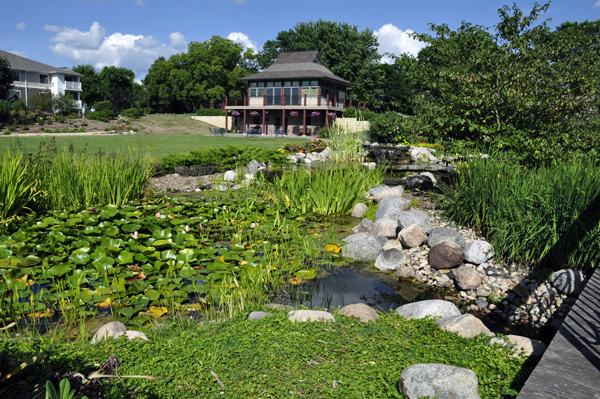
(217, 121)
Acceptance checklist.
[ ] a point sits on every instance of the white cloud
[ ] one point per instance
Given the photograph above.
(21, 26)
(21, 53)
(396, 41)
(244, 40)
(136, 52)
(597, 4)
(53, 28)
(141, 2)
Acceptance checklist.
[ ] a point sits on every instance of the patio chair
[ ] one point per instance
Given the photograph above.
(280, 132)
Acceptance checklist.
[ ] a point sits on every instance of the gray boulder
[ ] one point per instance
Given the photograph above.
(365, 226)
(387, 228)
(445, 255)
(230, 175)
(361, 311)
(438, 381)
(412, 236)
(223, 186)
(420, 154)
(257, 315)
(131, 335)
(405, 203)
(568, 281)
(362, 246)
(417, 181)
(359, 210)
(108, 330)
(253, 167)
(441, 234)
(388, 192)
(376, 189)
(466, 325)
(478, 251)
(391, 259)
(527, 345)
(429, 175)
(404, 272)
(392, 244)
(391, 209)
(467, 278)
(431, 307)
(417, 217)
(310, 315)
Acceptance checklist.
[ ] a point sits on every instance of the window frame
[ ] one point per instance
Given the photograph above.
(46, 80)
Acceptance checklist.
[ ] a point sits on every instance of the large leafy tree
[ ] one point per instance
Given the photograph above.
(6, 78)
(117, 86)
(521, 86)
(91, 84)
(347, 52)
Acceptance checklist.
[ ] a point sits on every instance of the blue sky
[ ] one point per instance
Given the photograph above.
(133, 33)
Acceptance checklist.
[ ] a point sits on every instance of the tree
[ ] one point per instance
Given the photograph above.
(63, 103)
(91, 84)
(6, 78)
(347, 52)
(522, 87)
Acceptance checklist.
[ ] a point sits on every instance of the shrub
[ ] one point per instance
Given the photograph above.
(103, 106)
(133, 113)
(352, 112)
(386, 128)
(325, 133)
(4, 110)
(316, 145)
(210, 112)
(103, 116)
(19, 106)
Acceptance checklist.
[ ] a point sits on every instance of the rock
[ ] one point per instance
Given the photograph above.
(404, 203)
(421, 155)
(359, 210)
(386, 228)
(300, 156)
(466, 325)
(483, 291)
(441, 234)
(253, 167)
(362, 246)
(236, 187)
(230, 175)
(390, 260)
(568, 281)
(131, 335)
(430, 307)
(108, 330)
(371, 165)
(223, 186)
(482, 303)
(416, 181)
(310, 315)
(429, 175)
(307, 160)
(388, 192)
(391, 209)
(325, 153)
(445, 255)
(412, 236)
(417, 217)
(478, 251)
(404, 272)
(438, 381)
(520, 290)
(365, 226)
(376, 189)
(528, 345)
(392, 244)
(362, 311)
(257, 315)
(278, 306)
(467, 278)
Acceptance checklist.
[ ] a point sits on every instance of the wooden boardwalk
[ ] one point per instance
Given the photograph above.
(570, 367)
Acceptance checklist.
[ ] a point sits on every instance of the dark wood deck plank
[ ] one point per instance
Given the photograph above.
(570, 367)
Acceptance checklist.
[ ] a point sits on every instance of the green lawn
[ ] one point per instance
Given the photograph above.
(158, 145)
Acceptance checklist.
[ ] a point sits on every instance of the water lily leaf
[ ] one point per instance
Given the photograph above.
(118, 285)
(29, 261)
(109, 213)
(57, 236)
(112, 231)
(168, 254)
(237, 248)
(162, 234)
(177, 239)
(91, 231)
(9, 263)
(90, 220)
(161, 244)
(79, 258)
(84, 250)
(157, 311)
(187, 272)
(125, 258)
(141, 258)
(152, 294)
(80, 244)
(176, 221)
(59, 270)
(131, 227)
(306, 274)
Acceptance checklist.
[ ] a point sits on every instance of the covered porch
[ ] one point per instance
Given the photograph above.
(278, 121)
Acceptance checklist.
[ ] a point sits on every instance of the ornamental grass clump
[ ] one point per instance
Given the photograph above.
(17, 189)
(548, 216)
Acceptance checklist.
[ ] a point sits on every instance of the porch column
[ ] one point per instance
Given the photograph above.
(350, 102)
(226, 116)
(305, 100)
(283, 121)
(245, 100)
(327, 99)
(244, 130)
(212, 105)
(304, 131)
(326, 118)
(264, 132)
(319, 95)
(358, 106)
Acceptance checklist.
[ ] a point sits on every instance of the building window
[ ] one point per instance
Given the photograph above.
(310, 88)
(257, 89)
(44, 79)
(15, 75)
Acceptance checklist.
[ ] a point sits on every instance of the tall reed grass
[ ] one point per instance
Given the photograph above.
(346, 144)
(17, 189)
(548, 215)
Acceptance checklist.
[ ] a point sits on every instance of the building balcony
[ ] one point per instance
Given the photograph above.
(78, 104)
(72, 85)
(278, 102)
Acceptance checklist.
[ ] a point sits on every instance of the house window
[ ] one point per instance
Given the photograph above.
(310, 88)
(257, 89)
(15, 75)
(44, 79)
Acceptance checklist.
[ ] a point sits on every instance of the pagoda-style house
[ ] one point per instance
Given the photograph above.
(297, 95)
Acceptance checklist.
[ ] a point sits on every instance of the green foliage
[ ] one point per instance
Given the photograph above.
(387, 128)
(103, 106)
(19, 106)
(371, 210)
(17, 189)
(63, 103)
(64, 391)
(42, 102)
(134, 113)
(346, 145)
(210, 112)
(522, 88)
(117, 86)
(91, 84)
(6, 78)
(4, 110)
(224, 157)
(347, 52)
(332, 191)
(368, 115)
(548, 215)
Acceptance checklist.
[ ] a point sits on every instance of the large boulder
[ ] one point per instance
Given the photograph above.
(391, 259)
(445, 255)
(230, 175)
(310, 315)
(375, 190)
(420, 154)
(412, 236)
(388, 192)
(254, 166)
(392, 244)
(257, 315)
(361, 311)
(359, 210)
(417, 217)
(438, 381)
(387, 228)
(404, 272)
(131, 335)
(365, 226)
(108, 330)
(429, 175)
(430, 307)
(441, 234)
(568, 281)
(478, 251)
(417, 181)
(466, 325)
(404, 203)
(527, 345)
(467, 278)
(362, 246)
(391, 209)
